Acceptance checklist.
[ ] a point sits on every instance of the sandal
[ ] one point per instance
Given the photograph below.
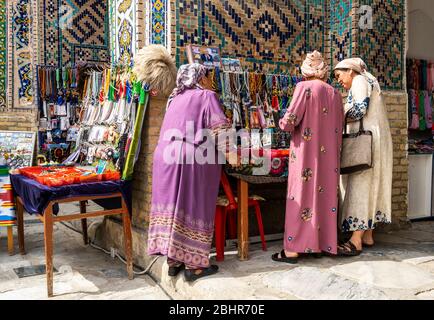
(191, 275)
(368, 245)
(316, 255)
(284, 258)
(175, 270)
(348, 249)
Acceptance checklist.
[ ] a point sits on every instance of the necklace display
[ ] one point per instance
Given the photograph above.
(58, 111)
(108, 111)
(256, 101)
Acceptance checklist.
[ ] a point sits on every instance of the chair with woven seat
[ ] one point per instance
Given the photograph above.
(228, 205)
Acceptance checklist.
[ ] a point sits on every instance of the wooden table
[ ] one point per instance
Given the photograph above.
(48, 218)
(243, 220)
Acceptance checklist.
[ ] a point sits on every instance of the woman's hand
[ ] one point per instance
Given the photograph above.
(233, 159)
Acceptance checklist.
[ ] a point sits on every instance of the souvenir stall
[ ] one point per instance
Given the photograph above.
(104, 121)
(420, 86)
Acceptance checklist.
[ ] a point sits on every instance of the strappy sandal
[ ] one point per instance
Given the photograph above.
(191, 275)
(284, 258)
(348, 249)
(175, 270)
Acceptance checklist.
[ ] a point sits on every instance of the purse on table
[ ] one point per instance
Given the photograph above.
(356, 153)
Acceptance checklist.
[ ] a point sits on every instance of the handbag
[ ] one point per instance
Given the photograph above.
(356, 153)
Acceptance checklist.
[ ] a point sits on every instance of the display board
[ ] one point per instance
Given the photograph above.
(17, 148)
(16, 151)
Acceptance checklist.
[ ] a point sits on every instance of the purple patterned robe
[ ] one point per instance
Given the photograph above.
(184, 195)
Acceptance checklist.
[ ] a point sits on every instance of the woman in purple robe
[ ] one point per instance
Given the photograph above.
(184, 187)
(315, 120)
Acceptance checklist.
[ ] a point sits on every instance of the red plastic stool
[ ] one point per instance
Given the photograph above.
(228, 205)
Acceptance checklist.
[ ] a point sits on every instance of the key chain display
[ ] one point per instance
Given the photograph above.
(88, 117)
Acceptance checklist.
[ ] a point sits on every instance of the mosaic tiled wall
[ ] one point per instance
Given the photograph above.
(159, 21)
(74, 30)
(123, 30)
(3, 54)
(23, 53)
(342, 28)
(135, 23)
(277, 34)
(383, 46)
(273, 34)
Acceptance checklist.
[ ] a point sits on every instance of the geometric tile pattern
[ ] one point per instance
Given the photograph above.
(341, 29)
(277, 34)
(274, 34)
(75, 30)
(3, 54)
(22, 53)
(382, 47)
(123, 30)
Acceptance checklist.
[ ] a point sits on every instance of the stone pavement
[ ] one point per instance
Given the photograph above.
(83, 272)
(400, 266)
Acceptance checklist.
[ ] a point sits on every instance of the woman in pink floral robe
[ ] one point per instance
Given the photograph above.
(315, 119)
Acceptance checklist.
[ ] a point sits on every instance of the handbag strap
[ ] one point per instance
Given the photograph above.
(361, 127)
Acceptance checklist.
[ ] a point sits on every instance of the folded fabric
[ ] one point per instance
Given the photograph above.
(428, 110)
(414, 123)
(421, 104)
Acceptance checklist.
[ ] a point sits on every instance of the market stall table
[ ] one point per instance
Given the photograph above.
(40, 200)
(243, 209)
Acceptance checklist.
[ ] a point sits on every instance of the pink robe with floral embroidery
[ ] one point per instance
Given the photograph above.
(315, 119)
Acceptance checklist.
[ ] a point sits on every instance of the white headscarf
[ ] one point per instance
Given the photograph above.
(314, 66)
(359, 66)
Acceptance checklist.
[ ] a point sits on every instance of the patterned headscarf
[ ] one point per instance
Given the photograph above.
(314, 66)
(359, 66)
(188, 77)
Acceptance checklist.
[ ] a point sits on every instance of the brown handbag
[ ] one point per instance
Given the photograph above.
(356, 153)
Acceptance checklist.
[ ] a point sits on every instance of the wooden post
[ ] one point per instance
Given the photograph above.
(20, 225)
(243, 220)
(84, 223)
(48, 241)
(126, 221)
(10, 241)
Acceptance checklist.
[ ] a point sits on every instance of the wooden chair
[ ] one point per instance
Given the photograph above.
(229, 205)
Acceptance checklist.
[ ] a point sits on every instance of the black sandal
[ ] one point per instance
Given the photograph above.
(191, 275)
(348, 249)
(368, 245)
(175, 270)
(284, 258)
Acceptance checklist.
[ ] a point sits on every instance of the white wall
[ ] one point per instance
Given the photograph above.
(421, 29)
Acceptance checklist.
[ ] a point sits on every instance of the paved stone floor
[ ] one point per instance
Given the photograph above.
(83, 272)
(400, 266)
